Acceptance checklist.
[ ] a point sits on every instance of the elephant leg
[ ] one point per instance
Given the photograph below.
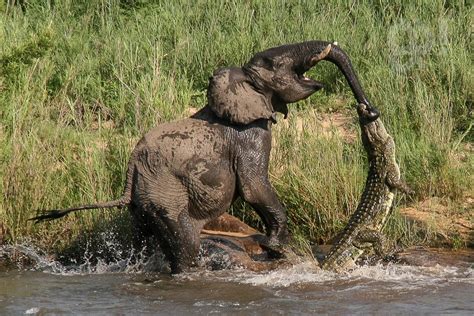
(261, 196)
(275, 220)
(143, 230)
(179, 239)
(164, 202)
(255, 188)
(153, 231)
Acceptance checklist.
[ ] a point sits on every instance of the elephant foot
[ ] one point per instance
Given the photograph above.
(273, 252)
(278, 241)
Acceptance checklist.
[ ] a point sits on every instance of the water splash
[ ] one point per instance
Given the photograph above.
(27, 256)
(105, 255)
(308, 273)
(33, 311)
(400, 275)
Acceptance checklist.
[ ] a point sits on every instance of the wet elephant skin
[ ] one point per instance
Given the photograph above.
(183, 174)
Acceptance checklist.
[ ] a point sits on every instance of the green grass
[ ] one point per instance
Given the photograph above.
(81, 81)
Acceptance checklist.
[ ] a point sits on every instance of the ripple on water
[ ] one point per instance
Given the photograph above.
(302, 288)
(301, 273)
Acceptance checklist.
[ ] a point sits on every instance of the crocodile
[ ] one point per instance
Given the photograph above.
(364, 229)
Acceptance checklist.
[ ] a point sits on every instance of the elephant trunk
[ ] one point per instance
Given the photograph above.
(320, 50)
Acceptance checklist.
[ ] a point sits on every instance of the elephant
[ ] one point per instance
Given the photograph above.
(183, 174)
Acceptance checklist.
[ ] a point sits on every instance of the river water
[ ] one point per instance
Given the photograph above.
(123, 288)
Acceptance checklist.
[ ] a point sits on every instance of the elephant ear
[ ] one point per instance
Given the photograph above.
(231, 97)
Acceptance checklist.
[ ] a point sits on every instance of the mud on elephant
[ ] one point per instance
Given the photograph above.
(183, 174)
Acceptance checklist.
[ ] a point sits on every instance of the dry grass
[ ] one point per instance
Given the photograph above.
(80, 81)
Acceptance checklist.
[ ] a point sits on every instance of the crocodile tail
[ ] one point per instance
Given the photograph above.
(124, 200)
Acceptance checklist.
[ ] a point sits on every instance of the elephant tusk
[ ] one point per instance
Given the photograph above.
(321, 55)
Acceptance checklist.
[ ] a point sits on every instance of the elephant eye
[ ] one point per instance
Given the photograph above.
(267, 62)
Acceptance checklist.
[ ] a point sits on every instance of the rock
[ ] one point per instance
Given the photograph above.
(229, 223)
(223, 252)
(227, 242)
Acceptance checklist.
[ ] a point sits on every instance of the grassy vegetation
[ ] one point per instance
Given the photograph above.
(81, 81)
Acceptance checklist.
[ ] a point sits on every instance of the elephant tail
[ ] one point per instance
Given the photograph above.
(47, 215)
(124, 200)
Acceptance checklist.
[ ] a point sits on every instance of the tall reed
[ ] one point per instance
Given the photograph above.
(80, 81)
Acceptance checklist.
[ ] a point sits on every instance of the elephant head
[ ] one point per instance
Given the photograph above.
(275, 77)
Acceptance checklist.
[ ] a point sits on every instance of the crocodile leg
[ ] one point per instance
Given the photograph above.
(374, 239)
